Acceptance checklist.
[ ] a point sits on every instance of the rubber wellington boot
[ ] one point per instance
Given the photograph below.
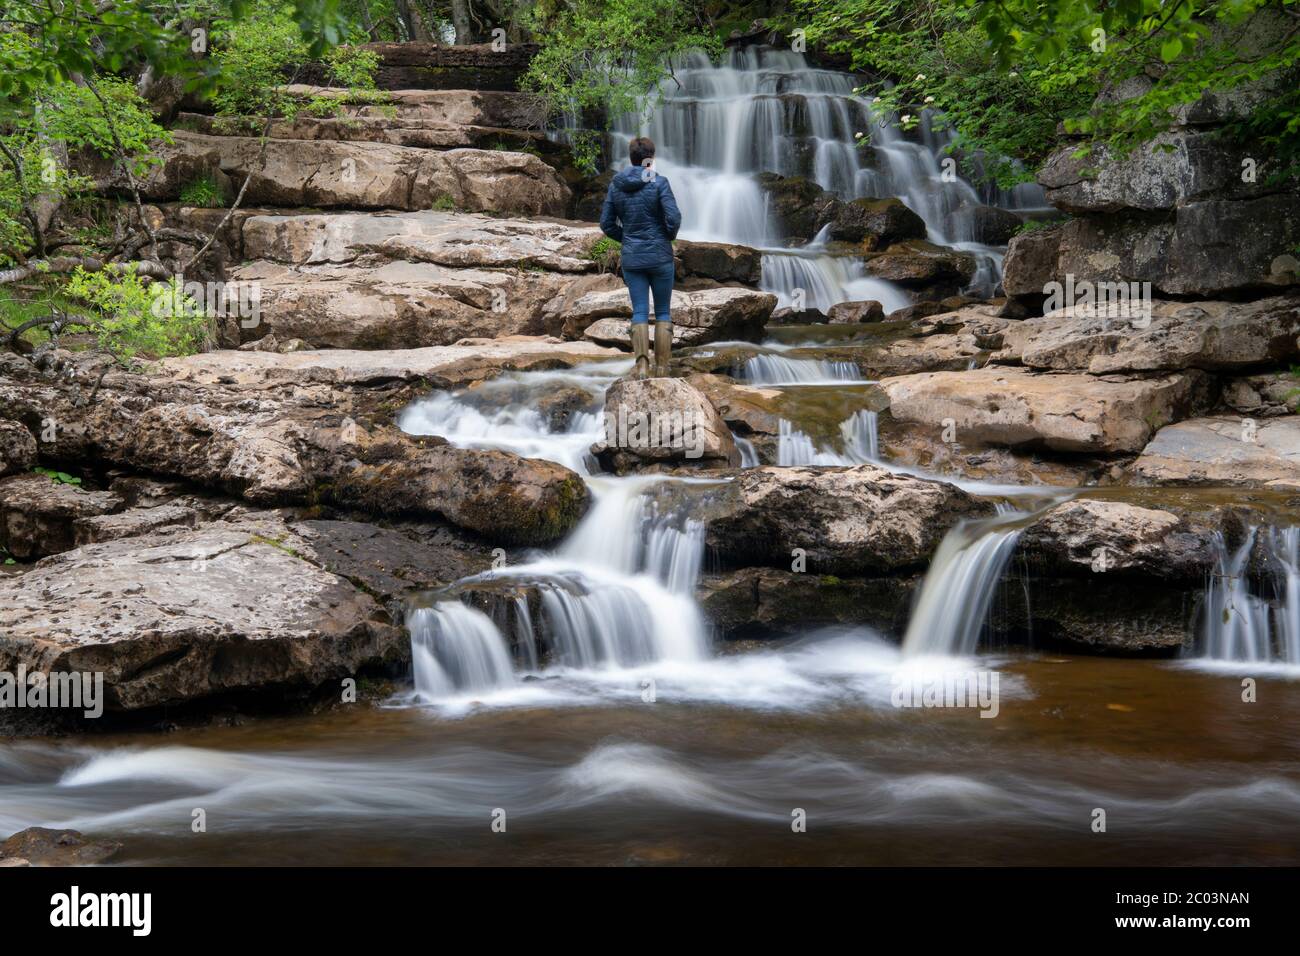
(641, 349)
(663, 347)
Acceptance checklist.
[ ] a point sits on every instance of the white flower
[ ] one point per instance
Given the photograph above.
(876, 100)
(929, 99)
(905, 118)
(1013, 74)
(920, 77)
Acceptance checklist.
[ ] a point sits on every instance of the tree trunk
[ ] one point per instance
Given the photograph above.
(461, 21)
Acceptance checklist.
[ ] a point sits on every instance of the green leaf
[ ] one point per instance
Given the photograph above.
(1171, 49)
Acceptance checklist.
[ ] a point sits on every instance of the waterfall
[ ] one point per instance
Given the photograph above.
(952, 608)
(858, 434)
(767, 110)
(456, 650)
(779, 370)
(1240, 625)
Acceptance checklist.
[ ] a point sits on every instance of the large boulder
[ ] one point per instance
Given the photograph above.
(860, 520)
(1224, 451)
(1095, 536)
(1174, 335)
(17, 448)
(663, 420)
(854, 313)
(917, 263)
(1205, 248)
(183, 624)
(876, 223)
(706, 315)
(1172, 170)
(720, 261)
(38, 514)
(362, 175)
(395, 305)
(1062, 412)
(987, 224)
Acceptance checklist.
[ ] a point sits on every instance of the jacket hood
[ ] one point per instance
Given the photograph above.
(629, 179)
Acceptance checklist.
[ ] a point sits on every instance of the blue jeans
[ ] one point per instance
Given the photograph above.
(640, 282)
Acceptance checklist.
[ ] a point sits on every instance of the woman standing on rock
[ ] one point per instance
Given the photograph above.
(641, 213)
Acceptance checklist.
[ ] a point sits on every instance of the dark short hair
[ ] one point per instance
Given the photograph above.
(641, 149)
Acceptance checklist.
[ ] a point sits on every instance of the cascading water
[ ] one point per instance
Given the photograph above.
(859, 440)
(1242, 626)
(617, 593)
(768, 369)
(767, 110)
(953, 606)
(456, 650)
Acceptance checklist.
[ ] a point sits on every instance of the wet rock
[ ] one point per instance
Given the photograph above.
(661, 420)
(720, 261)
(1224, 451)
(40, 846)
(989, 224)
(221, 610)
(17, 448)
(558, 407)
(765, 603)
(852, 313)
(919, 263)
(1059, 411)
(1174, 335)
(919, 310)
(846, 521)
(876, 223)
(1098, 614)
(38, 514)
(706, 315)
(1103, 537)
(799, 206)
(1031, 262)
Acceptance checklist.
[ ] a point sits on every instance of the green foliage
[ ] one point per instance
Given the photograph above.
(133, 319)
(257, 54)
(204, 192)
(444, 203)
(1003, 73)
(933, 56)
(62, 477)
(65, 118)
(607, 56)
(605, 252)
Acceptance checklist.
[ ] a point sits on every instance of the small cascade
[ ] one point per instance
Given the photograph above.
(618, 593)
(825, 280)
(456, 650)
(952, 608)
(778, 370)
(748, 453)
(507, 414)
(1241, 625)
(859, 441)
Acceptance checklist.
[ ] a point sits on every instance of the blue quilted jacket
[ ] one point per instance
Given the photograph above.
(642, 215)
